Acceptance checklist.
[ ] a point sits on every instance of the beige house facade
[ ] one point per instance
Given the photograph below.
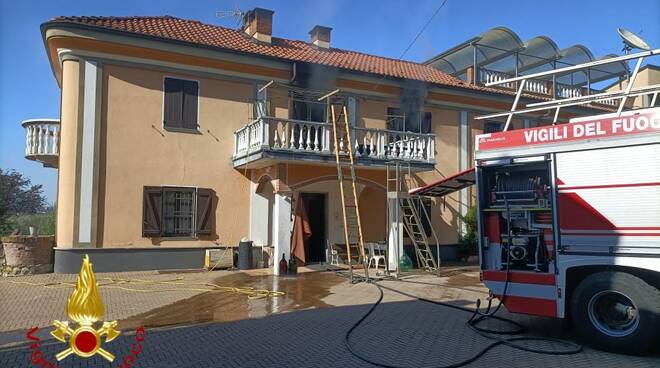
(176, 137)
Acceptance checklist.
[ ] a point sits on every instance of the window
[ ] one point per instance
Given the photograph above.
(398, 121)
(493, 127)
(171, 212)
(180, 104)
(178, 212)
(309, 110)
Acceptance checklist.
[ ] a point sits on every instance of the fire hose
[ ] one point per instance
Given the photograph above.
(476, 318)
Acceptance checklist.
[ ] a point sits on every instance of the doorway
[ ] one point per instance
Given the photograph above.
(316, 210)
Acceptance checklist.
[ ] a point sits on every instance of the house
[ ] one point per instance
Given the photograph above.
(177, 136)
(648, 75)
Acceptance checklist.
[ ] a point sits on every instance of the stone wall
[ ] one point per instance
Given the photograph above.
(27, 255)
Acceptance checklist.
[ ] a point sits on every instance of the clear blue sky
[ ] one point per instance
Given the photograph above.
(28, 89)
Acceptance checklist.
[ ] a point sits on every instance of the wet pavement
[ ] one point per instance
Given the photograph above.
(304, 291)
(305, 327)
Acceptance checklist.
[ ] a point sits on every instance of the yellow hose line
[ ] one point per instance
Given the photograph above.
(118, 283)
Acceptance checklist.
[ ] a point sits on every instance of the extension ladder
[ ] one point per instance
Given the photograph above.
(416, 232)
(407, 208)
(349, 198)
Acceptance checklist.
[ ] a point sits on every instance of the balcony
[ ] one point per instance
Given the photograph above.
(42, 138)
(542, 87)
(268, 140)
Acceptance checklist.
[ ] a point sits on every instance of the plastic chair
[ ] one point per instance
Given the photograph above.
(332, 253)
(375, 257)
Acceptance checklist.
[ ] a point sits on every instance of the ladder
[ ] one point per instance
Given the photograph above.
(349, 198)
(416, 231)
(407, 208)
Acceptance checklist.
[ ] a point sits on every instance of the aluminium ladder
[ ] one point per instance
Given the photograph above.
(349, 198)
(407, 208)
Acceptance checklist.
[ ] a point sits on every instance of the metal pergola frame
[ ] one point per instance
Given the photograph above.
(557, 104)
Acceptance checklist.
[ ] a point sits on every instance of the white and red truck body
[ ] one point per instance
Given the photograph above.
(597, 205)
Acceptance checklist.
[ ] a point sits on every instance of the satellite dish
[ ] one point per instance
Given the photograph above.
(632, 41)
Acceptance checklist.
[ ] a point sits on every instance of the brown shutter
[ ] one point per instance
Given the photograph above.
(173, 110)
(205, 211)
(152, 215)
(190, 95)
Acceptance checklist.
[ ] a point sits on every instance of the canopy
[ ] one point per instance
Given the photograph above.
(447, 185)
(500, 49)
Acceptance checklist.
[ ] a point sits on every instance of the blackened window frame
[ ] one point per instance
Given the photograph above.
(396, 120)
(493, 123)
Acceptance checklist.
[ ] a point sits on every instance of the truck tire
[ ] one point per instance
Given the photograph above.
(616, 311)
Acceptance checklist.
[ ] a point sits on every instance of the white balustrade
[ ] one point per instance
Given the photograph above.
(299, 136)
(568, 91)
(42, 138)
(536, 86)
(489, 76)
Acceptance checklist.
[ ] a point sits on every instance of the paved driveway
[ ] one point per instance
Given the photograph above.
(307, 329)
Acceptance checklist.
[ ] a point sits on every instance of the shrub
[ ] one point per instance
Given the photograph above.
(469, 242)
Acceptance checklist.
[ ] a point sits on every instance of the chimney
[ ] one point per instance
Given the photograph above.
(258, 24)
(321, 36)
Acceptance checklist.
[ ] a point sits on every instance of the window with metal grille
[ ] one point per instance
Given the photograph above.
(178, 212)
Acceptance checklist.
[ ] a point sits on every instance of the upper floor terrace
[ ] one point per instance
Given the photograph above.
(306, 132)
(499, 54)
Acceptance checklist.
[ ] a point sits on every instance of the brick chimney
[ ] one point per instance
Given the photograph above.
(321, 36)
(258, 24)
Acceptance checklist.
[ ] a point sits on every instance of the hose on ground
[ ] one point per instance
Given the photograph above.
(513, 341)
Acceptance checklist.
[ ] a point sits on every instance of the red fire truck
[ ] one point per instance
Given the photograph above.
(569, 223)
(568, 214)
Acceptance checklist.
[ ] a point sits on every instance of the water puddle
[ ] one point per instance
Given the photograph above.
(303, 291)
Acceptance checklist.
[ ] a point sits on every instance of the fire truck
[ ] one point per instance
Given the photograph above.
(568, 217)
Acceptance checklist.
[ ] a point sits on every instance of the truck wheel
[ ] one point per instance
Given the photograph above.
(617, 311)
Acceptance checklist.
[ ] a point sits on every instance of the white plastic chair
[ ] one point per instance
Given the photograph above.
(331, 253)
(375, 256)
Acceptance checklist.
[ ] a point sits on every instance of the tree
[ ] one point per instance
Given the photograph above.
(18, 197)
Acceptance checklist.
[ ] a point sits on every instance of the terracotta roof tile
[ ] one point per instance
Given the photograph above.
(294, 50)
(194, 31)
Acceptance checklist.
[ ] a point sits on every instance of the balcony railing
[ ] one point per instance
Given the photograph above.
(539, 86)
(278, 135)
(42, 138)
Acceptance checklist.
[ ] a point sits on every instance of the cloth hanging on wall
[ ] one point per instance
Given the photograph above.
(301, 231)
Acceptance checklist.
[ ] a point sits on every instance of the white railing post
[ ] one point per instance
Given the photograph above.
(265, 132)
(326, 139)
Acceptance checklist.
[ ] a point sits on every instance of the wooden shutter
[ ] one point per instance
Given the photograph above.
(173, 109)
(152, 215)
(205, 211)
(190, 104)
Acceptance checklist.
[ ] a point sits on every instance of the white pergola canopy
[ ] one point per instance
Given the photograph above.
(501, 50)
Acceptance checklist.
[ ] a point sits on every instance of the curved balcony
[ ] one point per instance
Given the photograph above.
(42, 138)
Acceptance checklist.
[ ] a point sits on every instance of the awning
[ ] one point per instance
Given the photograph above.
(447, 185)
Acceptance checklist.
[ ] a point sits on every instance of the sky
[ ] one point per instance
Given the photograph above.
(382, 27)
